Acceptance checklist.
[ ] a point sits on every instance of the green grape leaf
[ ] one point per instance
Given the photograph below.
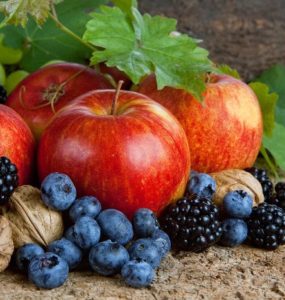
(226, 69)
(276, 145)
(48, 42)
(18, 12)
(275, 79)
(142, 45)
(126, 5)
(267, 103)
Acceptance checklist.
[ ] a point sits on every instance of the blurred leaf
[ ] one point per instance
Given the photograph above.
(42, 44)
(267, 103)
(276, 145)
(226, 69)
(275, 79)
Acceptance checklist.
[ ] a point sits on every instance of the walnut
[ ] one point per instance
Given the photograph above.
(6, 243)
(30, 220)
(235, 179)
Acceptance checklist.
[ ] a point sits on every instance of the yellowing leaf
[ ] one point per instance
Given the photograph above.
(17, 12)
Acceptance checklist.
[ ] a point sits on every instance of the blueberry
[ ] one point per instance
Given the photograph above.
(115, 226)
(162, 241)
(66, 250)
(144, 222)
(25, 254)
(48, 270)
(137, 274)
(85, 233)
(58, 191)
(108, 258)
(85, 206)
(234, 232)
(237, 204)
(145, 250)
(201, 184)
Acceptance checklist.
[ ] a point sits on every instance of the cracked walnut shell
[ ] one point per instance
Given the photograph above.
(30, 220)
(235, 179)
(6, 243)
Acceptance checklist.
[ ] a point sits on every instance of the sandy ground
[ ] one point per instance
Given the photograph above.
(220, 273)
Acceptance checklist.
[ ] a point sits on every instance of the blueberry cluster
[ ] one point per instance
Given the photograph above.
(237, 207)
(113, 243)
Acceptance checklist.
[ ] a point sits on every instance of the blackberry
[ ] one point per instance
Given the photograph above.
(266, 226)
(3, 95)
(278, 198)
(262, 177)
(192, 223)
(8, 179)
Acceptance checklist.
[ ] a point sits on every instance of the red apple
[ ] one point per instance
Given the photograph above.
(17, 142)
(224, 132)
(56, 84)
(137, 157)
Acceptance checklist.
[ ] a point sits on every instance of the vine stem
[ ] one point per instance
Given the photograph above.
(63, 28)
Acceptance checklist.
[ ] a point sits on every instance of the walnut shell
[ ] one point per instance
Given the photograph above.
(6, 243)
(235, 179)
(30, 220)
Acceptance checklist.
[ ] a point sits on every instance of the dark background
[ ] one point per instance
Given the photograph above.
(249, 35)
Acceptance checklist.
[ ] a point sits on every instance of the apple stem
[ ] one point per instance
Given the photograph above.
(115, 99)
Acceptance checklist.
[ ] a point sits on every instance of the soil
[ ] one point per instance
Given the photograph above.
(242, 273)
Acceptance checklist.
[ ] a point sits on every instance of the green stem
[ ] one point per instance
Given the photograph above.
(69, 32)
(268, 161)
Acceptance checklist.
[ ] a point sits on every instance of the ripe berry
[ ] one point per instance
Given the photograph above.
(8, 179)
(266, 226)
(201, 184)
(3, 95)
(278, 198)
(262, 177)
(192, 223)
(237, 204)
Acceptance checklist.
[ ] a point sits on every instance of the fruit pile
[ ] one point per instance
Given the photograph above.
(107, 238)
(65, 129)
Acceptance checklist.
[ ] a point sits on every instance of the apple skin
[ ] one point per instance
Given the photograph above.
(33, 91)
(225, 132)
(138, 157)
(17, 143)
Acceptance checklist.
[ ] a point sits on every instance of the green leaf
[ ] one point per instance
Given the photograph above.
(267, 103)
(17, 12)
(42, 44)
(126, 5)
(144, 45)
(275, 79)
(226, 69)
(276, 145)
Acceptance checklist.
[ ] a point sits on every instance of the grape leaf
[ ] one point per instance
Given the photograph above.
(126, 5)
(267, 103)
(275, 79)
(276, 144)
(17, 12)
(226, 69)
(48, 42)
(144, 45)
